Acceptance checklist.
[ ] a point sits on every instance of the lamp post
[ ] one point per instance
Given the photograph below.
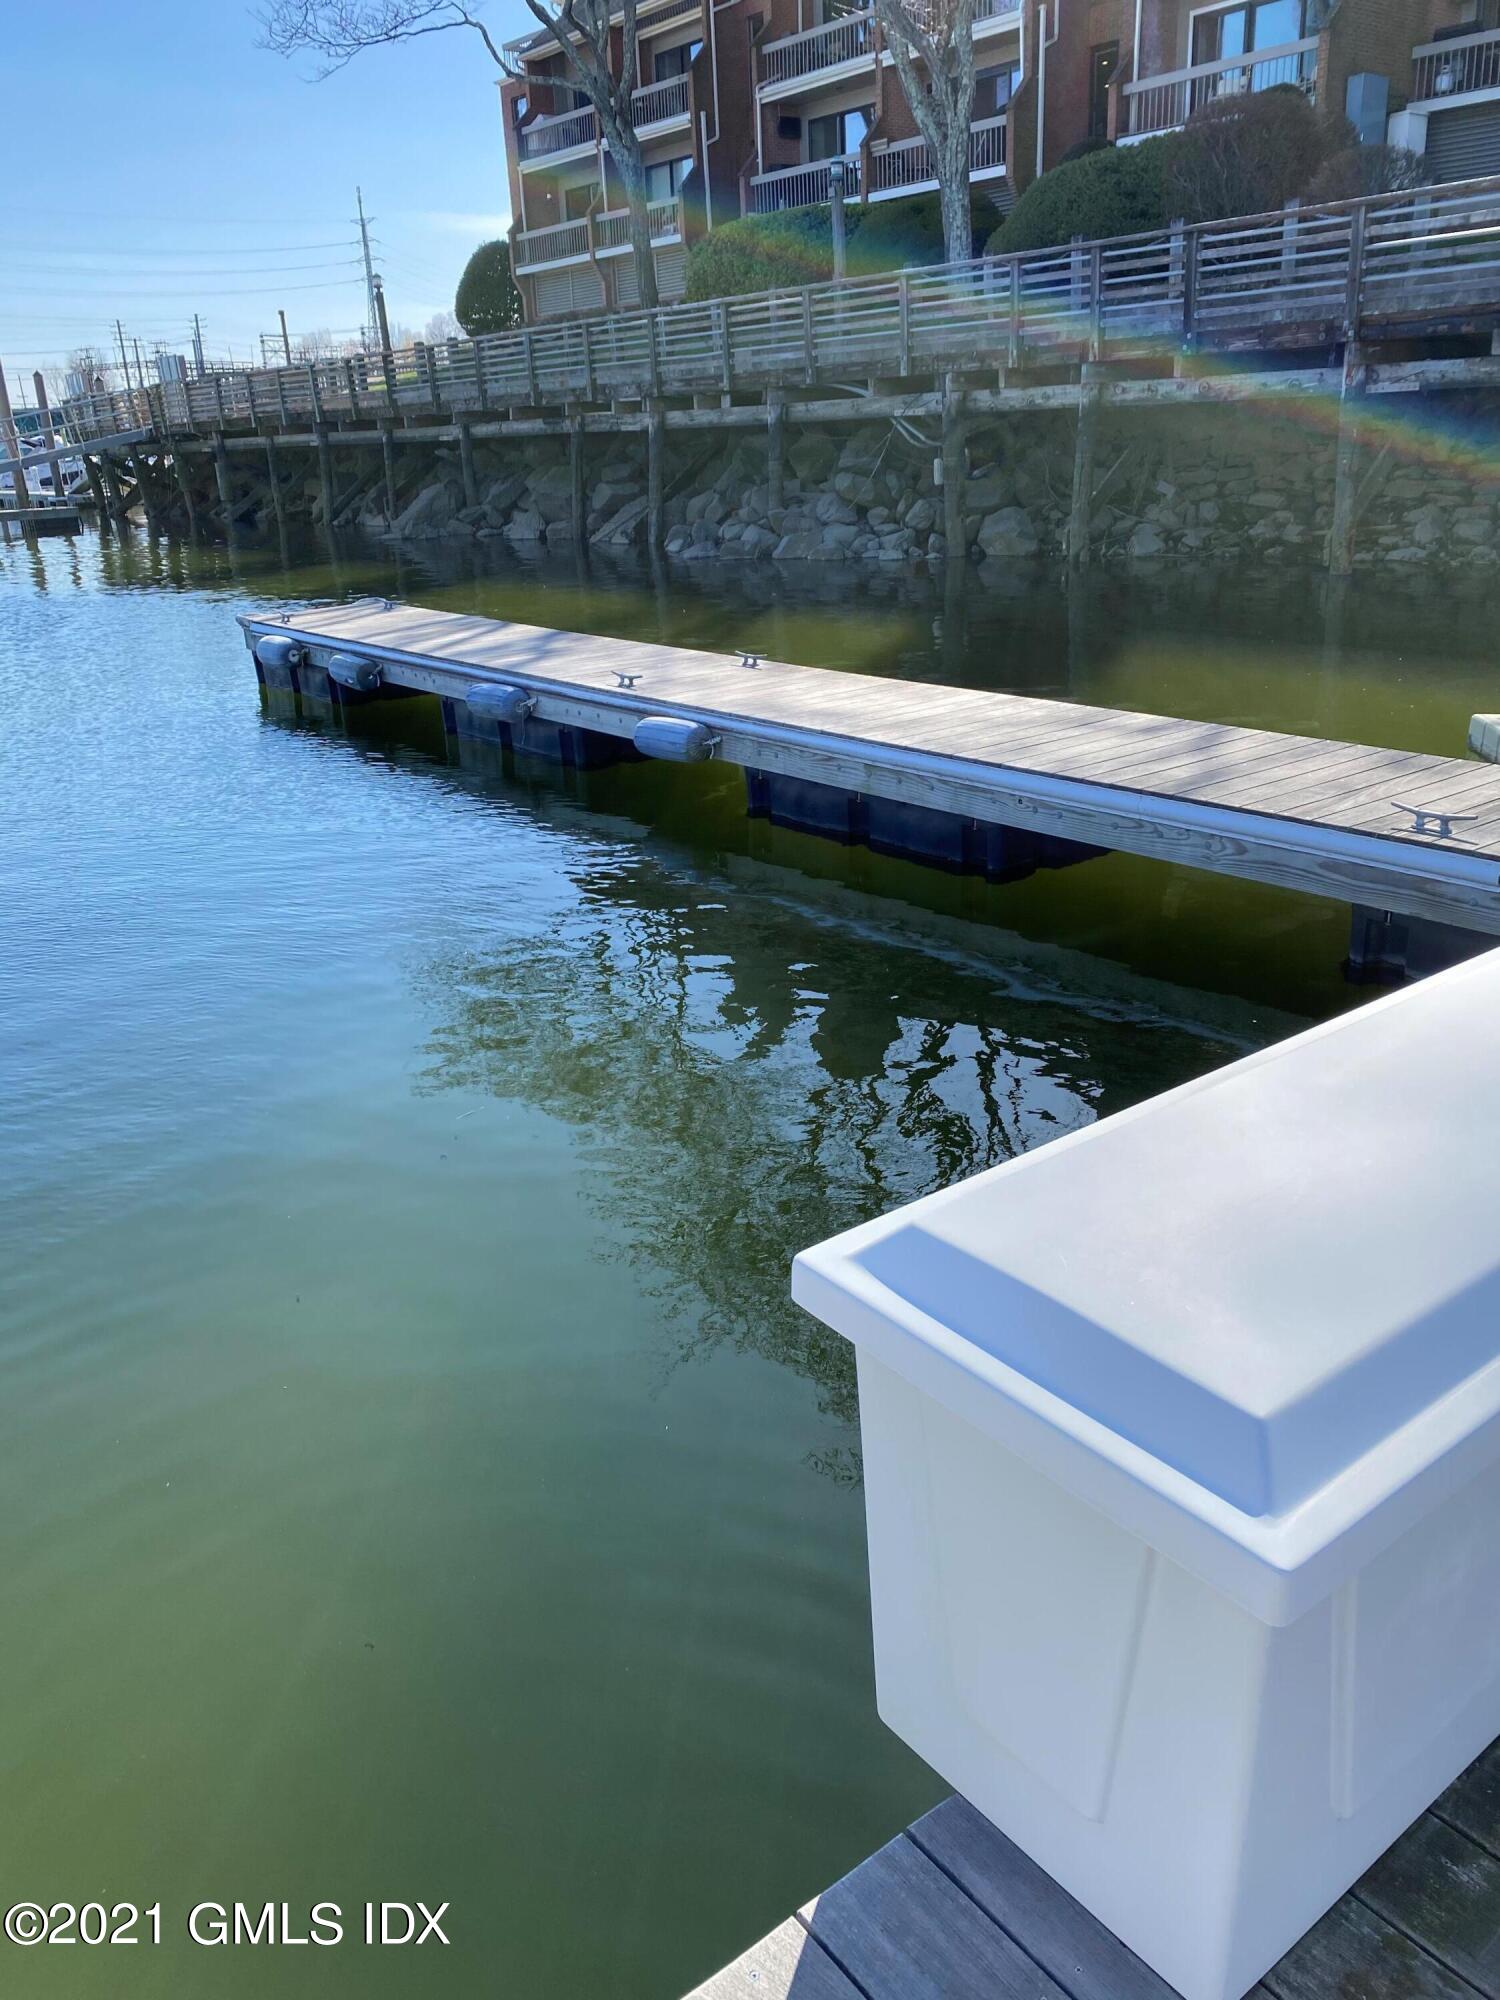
(837, 171)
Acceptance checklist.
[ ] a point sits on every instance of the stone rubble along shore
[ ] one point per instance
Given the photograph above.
(1224, 483)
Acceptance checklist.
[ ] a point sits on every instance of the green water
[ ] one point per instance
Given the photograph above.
(416, 1482)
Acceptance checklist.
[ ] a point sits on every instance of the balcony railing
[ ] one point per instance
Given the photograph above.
(1160, 103)
(797, 56)
(561, 133)
(612, 229)
(800, 187)
(655, 103)
(560, 243)
(908, 162)
(1448, 69)
(602, 235)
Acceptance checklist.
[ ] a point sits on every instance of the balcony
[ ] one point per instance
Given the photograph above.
(800, 187)
(905, 167)
(824, 53)
(842, 47)
(658, 106)
(568, 134)
(604, 234)
(1161, 103)
(650, 15)
(1441, 71)
(559, 136)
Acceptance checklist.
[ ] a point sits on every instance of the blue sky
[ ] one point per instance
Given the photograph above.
(183, 167)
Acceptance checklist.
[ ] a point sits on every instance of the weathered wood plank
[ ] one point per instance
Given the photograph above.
(788, 1965)
(1443, 1890)
(1472, 1801)
(902, 1931)
(1354, 1954)
(1087, 1961)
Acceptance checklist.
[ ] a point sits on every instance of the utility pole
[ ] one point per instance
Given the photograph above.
(364, 239)
(140, 373)
(286, 344)
(198, 347)
(124, 357)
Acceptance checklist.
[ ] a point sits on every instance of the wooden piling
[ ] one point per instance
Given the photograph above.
(117, 508)
(466, 465)
(13, 446)
(221, 476)
(955, 538)
(656, 477)
(185, 488)
(577, 510)
(1343, 527)
(325, 475)
(273, 480)
(388, 461)
(776, 452)
(145, 492)
(101, 498)
(1080, 516)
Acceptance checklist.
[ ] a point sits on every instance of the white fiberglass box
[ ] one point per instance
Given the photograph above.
(1182, 1465)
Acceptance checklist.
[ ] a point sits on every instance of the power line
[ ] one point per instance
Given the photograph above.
(218, 271)
(160, 250)
(114, 293)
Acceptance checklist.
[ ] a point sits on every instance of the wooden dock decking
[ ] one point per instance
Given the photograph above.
(951, 1910)
(1393, 830)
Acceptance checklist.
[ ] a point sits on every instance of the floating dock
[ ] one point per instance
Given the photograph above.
(972, 781)
(952, 1910)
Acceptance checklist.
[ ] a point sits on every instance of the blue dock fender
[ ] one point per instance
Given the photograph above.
(501, 701)
(273, 650)
(678, 741)
(352, 670)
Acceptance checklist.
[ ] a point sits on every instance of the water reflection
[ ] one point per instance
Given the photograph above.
(750, 1071)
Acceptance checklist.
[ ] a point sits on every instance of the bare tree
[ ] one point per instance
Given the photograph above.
(335, 31)
(932, 45)
(442, 326)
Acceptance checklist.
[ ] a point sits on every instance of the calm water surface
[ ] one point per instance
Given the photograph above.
(416, 1482)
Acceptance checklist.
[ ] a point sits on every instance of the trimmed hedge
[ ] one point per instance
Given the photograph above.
(766, 253)
(1114, 192)
(762, 253)
(487, 300)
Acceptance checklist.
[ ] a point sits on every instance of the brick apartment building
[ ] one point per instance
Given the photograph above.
(744, 105)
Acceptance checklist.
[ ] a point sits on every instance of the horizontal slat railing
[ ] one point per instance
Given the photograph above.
(1434, 251)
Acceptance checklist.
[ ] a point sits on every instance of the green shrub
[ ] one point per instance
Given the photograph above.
(765, 253)
(487, 300)
(1115, 192)
(1367, 170)
(762, 253)
(894, 235)
(1248, 155)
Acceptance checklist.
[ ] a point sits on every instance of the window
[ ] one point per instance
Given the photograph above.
(839, 133)
(994, 88)
(674, 62)
(519, 106)
(1242, 29)
(1104, 60)
(665, 177)
(577, 201)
